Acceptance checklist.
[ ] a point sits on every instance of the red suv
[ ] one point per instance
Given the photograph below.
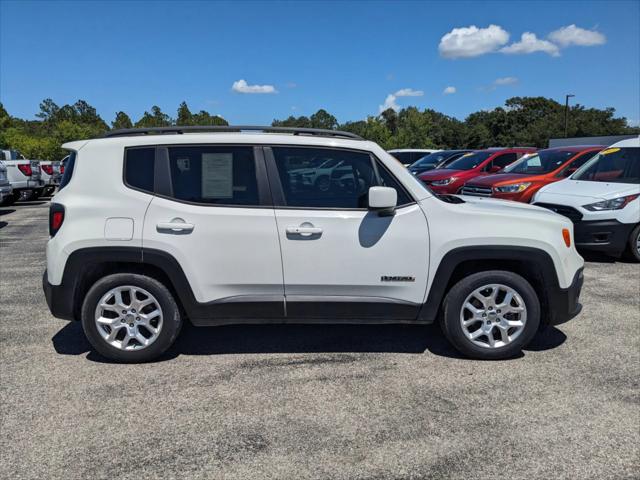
(451, 178)
(521, 180)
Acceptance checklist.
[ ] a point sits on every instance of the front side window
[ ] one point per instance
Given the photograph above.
(214, 175)
(615, 165)
(502, 161)
(540, 162)
(326, 178)
(576, 164)
(469, 161)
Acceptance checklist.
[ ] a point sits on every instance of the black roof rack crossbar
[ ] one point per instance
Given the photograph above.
(230, 128)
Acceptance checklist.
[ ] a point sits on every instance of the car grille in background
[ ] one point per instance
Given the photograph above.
(477, 191)
(569, 212)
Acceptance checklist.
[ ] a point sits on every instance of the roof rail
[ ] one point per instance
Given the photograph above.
(230, 128)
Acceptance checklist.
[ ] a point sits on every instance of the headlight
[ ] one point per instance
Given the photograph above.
(613, 204)
(444, 181)
(513, 188)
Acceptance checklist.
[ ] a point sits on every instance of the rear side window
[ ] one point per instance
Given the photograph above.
(214, 175)
(138, 168)
(68, 170)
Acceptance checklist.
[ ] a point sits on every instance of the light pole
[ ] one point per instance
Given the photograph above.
(566, 113)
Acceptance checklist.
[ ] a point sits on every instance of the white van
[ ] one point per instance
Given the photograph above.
(603, 200)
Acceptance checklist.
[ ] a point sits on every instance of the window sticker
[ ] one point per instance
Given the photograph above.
(609, 150)
(217, 175)
(183, 164)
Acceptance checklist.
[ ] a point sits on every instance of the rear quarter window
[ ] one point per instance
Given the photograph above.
(68, 170)
(139, 167)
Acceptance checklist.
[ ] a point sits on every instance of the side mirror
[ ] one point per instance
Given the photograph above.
(494, 169)
(383, 200)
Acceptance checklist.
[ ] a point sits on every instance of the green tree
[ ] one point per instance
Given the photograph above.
(121, 121)
(154, 119)
(323, 119)
(184, 115)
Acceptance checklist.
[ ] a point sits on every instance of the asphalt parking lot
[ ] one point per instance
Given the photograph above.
(294, 402)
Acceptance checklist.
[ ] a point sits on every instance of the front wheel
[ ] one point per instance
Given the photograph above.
(491, 315)
(130, 318)
(633, 244)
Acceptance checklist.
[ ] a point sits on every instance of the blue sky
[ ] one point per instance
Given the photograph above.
(346, 57)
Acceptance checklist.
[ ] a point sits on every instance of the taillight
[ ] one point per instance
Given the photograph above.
(25, 168)
(48, 169)
(56, 218)
(61, 168)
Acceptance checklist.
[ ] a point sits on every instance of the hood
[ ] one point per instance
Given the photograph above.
(491, 180)
(487, 205)
(584, 190)
(439, 174)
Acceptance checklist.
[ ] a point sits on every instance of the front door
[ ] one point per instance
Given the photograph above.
(341, 260)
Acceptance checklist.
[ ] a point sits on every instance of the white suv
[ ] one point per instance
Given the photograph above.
(603, 200)
(211, 227)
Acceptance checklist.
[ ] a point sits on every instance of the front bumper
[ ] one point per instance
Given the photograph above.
(59, 299)
(564, 303)
(602, 235)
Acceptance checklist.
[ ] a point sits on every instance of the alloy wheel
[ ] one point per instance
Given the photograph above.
(128, 318)
(493, 316)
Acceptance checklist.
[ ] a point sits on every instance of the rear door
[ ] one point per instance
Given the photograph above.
(212, 213)
(341, 260)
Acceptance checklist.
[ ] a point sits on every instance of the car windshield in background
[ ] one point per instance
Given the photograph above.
(540, 162)
(469, 161)
(614, 165)
(431, 159)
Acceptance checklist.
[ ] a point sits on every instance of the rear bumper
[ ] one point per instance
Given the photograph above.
(59, 299)
(602, 235)
(564, 303)
(5, 192)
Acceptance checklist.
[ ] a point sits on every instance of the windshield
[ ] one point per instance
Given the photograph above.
(469, 161)
(431, 159)
(544, 161)
(614, 165)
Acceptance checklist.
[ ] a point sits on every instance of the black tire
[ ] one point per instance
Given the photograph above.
(452, 306)
(172, 321)
(8, 201)
(23, 195)
(632, 252)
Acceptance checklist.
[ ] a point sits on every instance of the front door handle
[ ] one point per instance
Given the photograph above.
(304, 230)
(175, 227)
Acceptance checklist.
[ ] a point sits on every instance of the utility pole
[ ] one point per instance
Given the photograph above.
(566, 114)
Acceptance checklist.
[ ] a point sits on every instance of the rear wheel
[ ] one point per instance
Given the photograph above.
(491, 315)
(130, 318)
(633, 244)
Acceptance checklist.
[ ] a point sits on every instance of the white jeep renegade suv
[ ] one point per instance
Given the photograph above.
(213, 225)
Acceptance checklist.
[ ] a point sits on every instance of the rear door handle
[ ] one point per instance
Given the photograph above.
(304, 231)
(175, 227)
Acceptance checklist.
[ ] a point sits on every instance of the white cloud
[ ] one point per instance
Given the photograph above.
(390, 101)
(573, 35)
(449, 90)
(529, 43)
(505, 81)
(241, 86)
(472, 41)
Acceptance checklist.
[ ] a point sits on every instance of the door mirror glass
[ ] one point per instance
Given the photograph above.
(383, 199)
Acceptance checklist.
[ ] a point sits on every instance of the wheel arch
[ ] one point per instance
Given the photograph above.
(85, 267)
(533, 264)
